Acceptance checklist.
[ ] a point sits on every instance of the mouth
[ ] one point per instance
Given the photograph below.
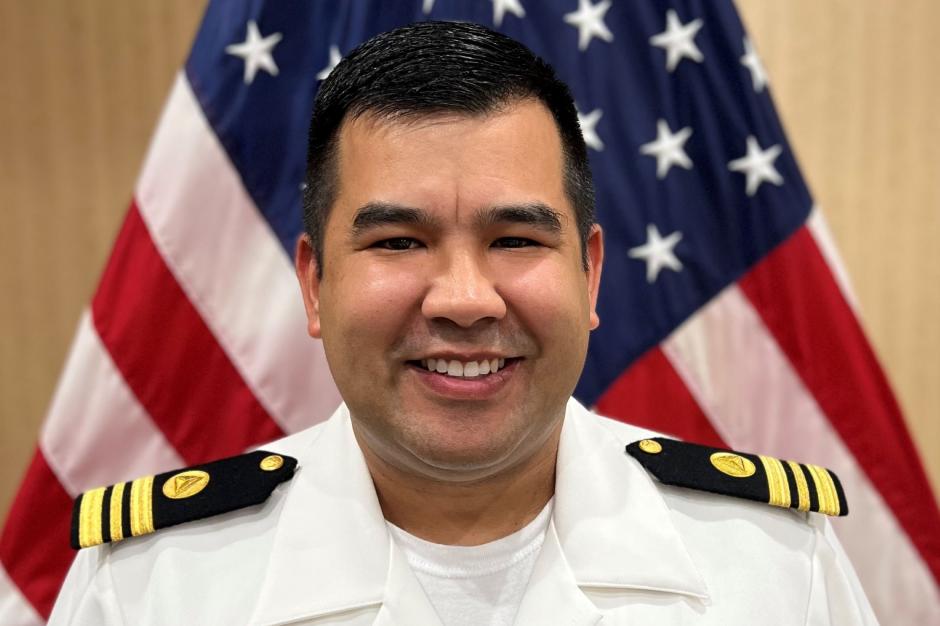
(478, 379)
(470, 369)
(469, 376)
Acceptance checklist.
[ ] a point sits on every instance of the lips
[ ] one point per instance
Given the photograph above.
(463, 369)
(457, 383)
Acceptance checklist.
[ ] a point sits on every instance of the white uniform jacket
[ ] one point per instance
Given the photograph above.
(621, 549)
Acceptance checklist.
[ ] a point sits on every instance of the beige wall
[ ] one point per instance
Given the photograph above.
(82, 84)
(858, 87)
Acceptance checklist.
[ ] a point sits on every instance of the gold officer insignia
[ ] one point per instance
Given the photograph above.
(650, 447)
(733, 464)
(185, 484)
(271, 462)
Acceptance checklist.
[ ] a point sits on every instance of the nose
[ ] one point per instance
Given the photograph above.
(463, 291)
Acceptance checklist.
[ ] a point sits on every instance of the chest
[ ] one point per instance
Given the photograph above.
(619, 608)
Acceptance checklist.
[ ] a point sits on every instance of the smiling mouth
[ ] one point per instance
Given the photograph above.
(464, 369)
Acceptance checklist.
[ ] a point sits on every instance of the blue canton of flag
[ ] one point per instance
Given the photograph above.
(695, 180)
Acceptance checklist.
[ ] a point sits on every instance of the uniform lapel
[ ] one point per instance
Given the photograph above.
(331, 547)
(553, 595)
(610, 526)
(405, 603)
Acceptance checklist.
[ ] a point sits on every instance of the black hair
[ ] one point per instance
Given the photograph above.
(429, 68)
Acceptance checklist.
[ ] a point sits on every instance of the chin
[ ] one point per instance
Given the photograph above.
(473, 459)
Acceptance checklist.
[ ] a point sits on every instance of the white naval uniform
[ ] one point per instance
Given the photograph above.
(621, 549)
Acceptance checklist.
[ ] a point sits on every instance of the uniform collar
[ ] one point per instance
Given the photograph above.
(613, 525)
(332, 551)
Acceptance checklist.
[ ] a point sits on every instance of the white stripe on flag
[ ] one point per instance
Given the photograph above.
(819, 229)
(230, 265)
(748, 389)
(96, 433)
(14, 609)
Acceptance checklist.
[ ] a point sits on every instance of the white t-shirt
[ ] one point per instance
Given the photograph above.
(476, 585)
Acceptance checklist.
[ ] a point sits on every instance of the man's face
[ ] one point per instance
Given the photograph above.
(452, 245)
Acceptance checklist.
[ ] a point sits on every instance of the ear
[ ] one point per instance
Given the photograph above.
(305, 264)
(595, 258)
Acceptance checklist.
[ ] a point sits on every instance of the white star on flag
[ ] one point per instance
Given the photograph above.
(588, 123)
(668, 148)
(751, 61)
(255, 51)
(335, 58)
(589, 20)
(657, 252)
(678, 40)
(501, 6)
(758, 165)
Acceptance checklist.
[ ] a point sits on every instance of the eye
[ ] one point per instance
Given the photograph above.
(514, 242)
(397, 243)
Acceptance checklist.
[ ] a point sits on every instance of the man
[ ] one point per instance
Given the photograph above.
(451, 267)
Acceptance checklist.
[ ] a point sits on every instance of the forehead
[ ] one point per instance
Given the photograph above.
(448, 161)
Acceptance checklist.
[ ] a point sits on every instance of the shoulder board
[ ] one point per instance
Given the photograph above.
(141, 506)
(751, 476)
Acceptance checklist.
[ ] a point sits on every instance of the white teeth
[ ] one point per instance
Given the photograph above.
(470, 369)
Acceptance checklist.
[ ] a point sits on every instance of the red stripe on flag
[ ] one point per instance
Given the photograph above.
(34, 547)
(800, 302)
(169, 357)
(651, 395)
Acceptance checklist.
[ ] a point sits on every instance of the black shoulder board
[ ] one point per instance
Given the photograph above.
(141, 506)
(752, 476)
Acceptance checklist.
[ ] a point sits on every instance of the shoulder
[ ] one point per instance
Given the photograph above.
(219, 492)
(749, 521)
(148, 504)
(745, 475)
(737, 547)
(721, 512)
(716, 471)
(214, 521)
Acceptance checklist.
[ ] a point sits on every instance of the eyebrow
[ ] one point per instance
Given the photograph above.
(534, 214)
(377, 214)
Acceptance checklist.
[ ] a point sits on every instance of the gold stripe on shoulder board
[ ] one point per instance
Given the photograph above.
(116, 510)
(777, 485)
(802, 488)
(825, 490)
(89, 516)
(142, 506)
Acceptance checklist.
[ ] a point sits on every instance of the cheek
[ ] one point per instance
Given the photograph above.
(552, 308)
(549, 296)
(377, 302)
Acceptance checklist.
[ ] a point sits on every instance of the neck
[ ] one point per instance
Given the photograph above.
(466, 513)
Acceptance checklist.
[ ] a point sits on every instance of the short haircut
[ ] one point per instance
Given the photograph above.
(431, 68)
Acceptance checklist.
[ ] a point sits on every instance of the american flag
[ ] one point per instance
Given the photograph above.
(726, 315)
